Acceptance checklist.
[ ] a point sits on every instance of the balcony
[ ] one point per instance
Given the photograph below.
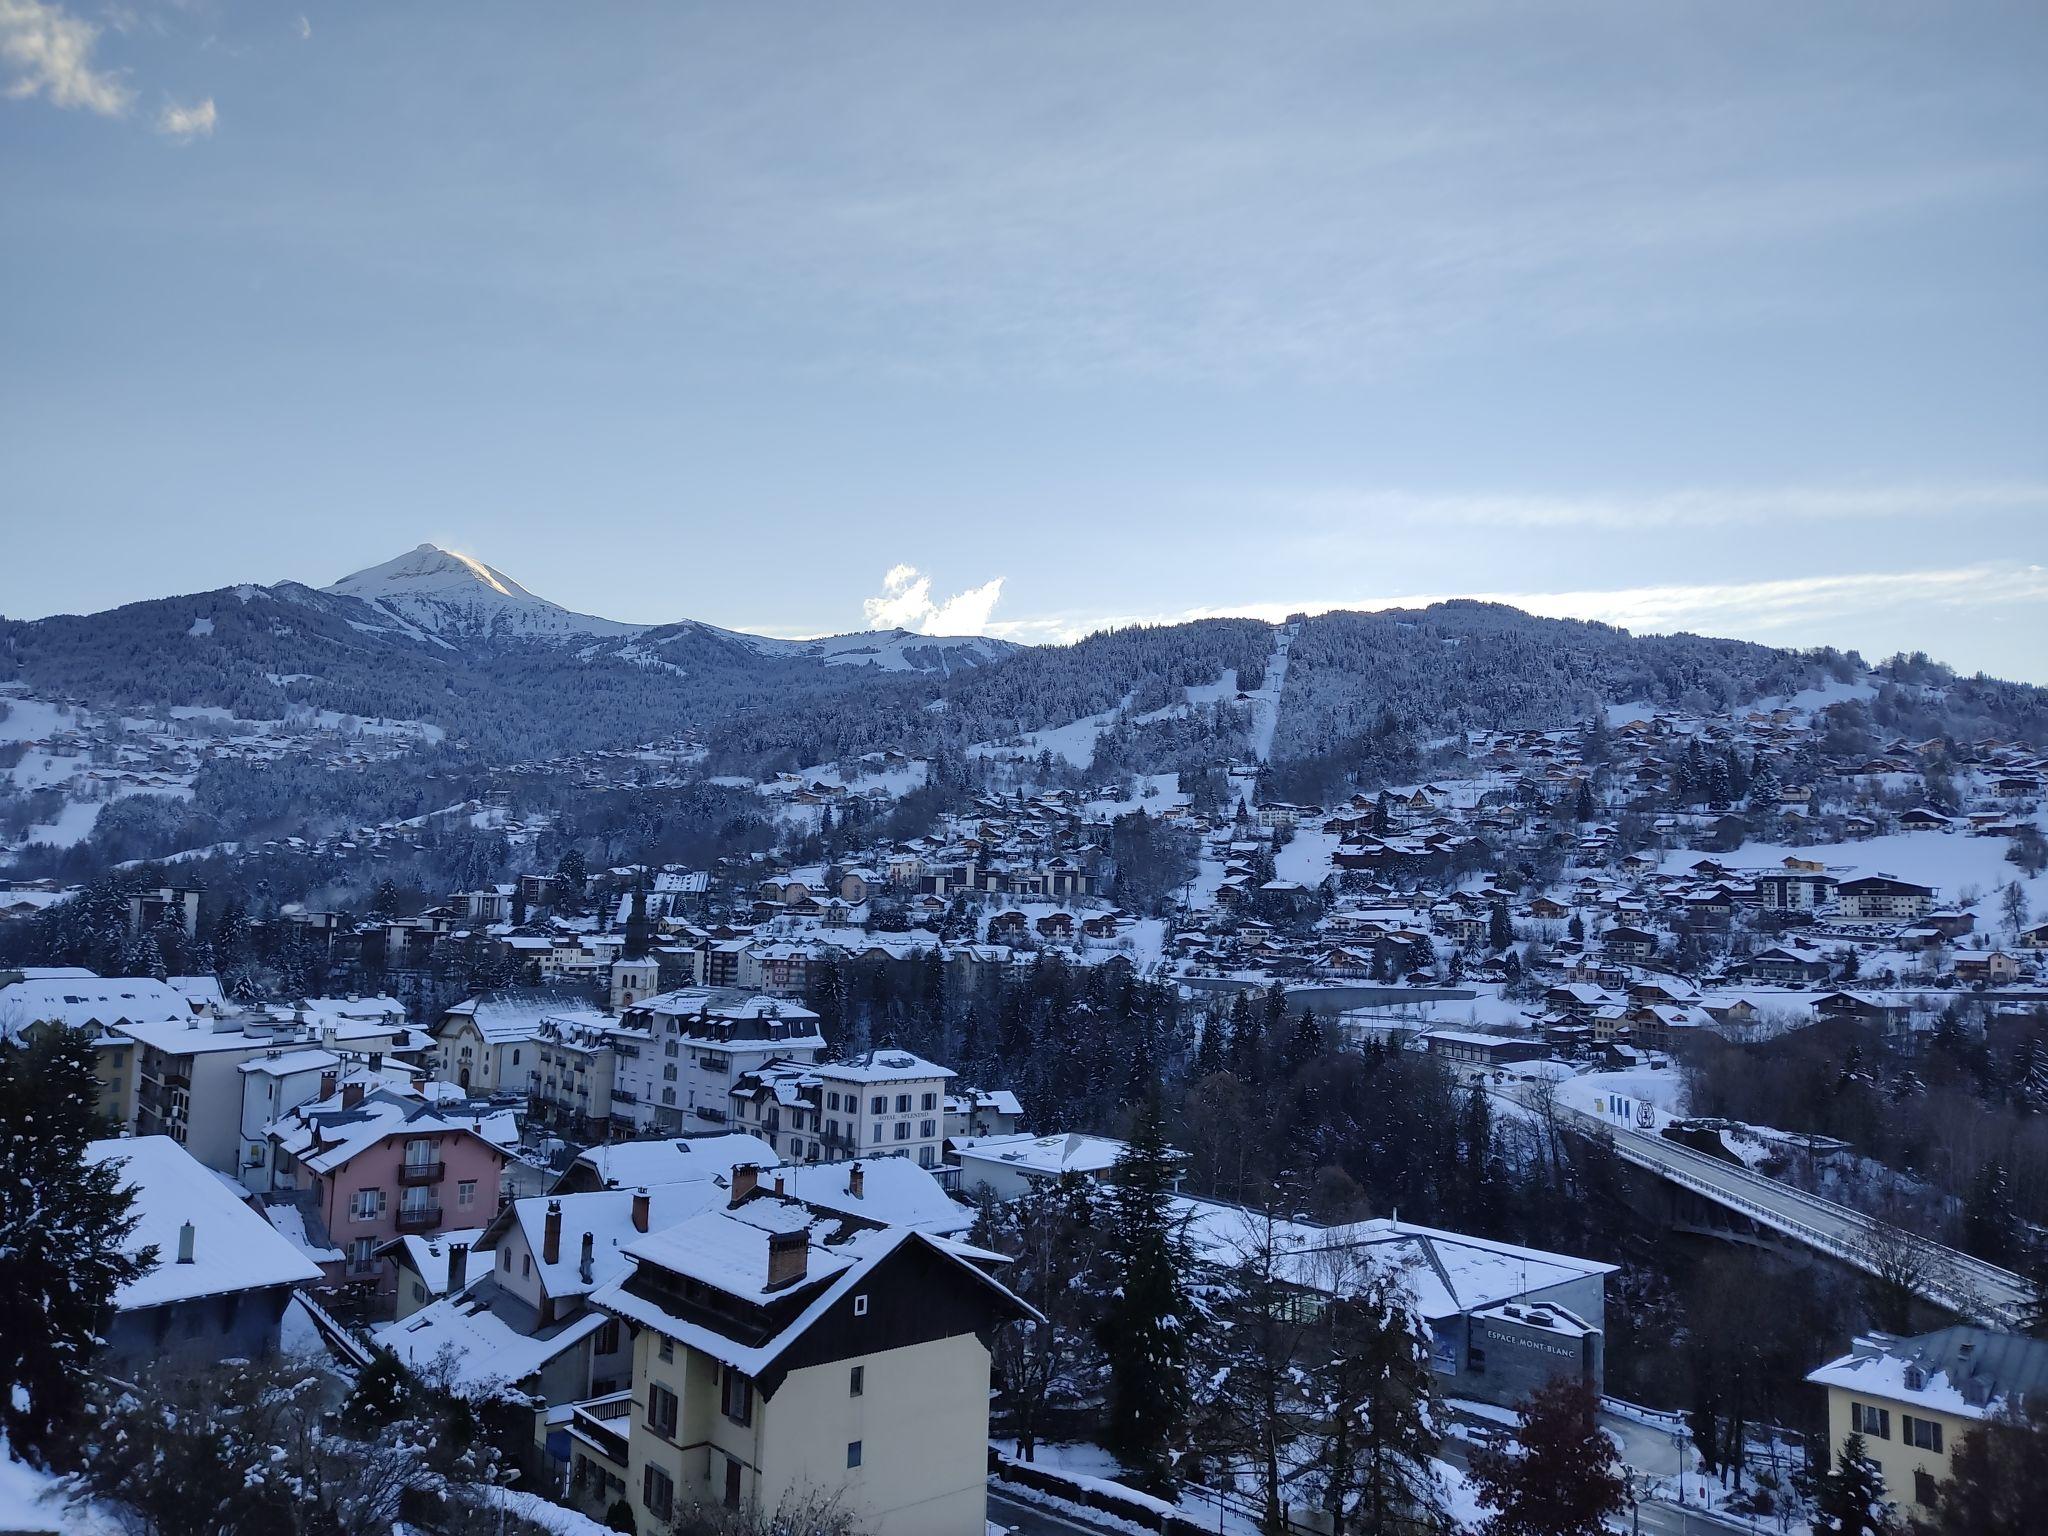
(411, 1173)
(418, 1218)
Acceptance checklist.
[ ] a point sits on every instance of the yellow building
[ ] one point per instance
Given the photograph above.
(787, 1357)
(1912, 1399)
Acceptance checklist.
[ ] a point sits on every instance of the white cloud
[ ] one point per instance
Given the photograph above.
(1696, 508)
(305, 28)
(905, 602)
(187, 123)
(48, 52)
(1747, 610)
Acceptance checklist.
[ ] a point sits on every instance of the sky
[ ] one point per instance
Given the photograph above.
(1029, 319)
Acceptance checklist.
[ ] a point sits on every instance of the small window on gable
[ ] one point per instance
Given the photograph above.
(857, 1381)
(860, 1306)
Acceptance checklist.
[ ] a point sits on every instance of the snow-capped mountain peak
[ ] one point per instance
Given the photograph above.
(450, 596)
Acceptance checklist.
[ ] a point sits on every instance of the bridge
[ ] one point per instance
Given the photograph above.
(1965, 1285)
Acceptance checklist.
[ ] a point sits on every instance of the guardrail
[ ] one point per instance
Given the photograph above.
(1993, 1294)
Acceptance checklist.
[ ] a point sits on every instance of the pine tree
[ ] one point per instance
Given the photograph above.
(62, 1223)
(1850, 1501)
(1247, 1047)
(1306, 1043)
(1209, 1049)
(1559, 1476)
(1991, 1221)
(1144, 1334)
(1500, 929)
(1582, 804)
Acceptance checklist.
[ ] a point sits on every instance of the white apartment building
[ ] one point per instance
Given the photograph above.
(883, 1103)
(703, 1040)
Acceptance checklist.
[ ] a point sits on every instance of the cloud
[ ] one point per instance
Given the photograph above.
(305, 29)
(1697, 508)
(1750, 610)
(905, 602)
(48, 52)
(187, 123)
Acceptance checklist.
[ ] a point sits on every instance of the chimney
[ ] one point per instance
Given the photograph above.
(351, 1095)
(856, 1181)
(419, 1083)
(328, 1083)
(640, 1209)
(778, 1183)
(788, 1257)
(458, 1267)
(551, 1235)
(584, 1266)
(188, 1235)
(745, 1176)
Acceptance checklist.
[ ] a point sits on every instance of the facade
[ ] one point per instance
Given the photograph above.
(368, 1168)
(485, 1045)
(589, 1073)
(1878, 898)
(1913, 1399)
(101, 1006)
(704, 1040)
(781, 1352)
(879, 1104)
(223, 1276)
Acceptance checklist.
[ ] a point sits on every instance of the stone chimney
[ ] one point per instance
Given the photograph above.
(640, 1209)
(328, 1082)
(745, 1177)
(788, 1257)
(584, 1266)
(351, 1095)
(856, 1181)
(188, 1237)
(458, 1267)
(551, 1235)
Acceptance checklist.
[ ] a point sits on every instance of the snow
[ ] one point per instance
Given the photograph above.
(1074, 741)
(1616, 1096)
(234, 1249)
(201, 625)
(1306, 859)
(1952, 862)
(73, 825)
(1266, 698)
(443, 592)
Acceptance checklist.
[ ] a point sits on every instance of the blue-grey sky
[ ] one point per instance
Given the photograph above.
(1724, 316)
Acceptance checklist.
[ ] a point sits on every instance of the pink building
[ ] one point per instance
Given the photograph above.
(366, 1168)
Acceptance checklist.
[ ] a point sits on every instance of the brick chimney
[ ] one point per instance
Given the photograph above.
(745, 1177)
(778, 1183)
(585, 1266)
(328, 1082)
(351, 1095)
(640, 1209)
(458, 1267)
(788, 1257)
(551, 1235)
(856, 1181)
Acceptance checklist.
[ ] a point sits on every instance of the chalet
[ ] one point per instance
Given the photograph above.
(1634, 945)
(1993, 969)
(1923, 818)
(1789, 962)
(1847, 1007)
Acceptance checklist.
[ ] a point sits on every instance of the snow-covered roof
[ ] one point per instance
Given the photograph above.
(1964, 1371)
(1447, 1273)
(328, 1135)
(632, 1164)
(482, 1335)
(85, 1000)
(233, 1248)
(1044, 1156)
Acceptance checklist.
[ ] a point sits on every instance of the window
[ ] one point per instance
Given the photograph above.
(736, 1396)
(856, 1381)
(465, 1192)
(902, 1103)
(657, 1492)
(832, 1100)
(667, 1350)
(930, 1101)
(419, 1292)
(1921, 1434)
(1870, 1421)
(1475, 1359)
(366, 1205)
(607, 1338)
(1924, 1491)
(852, 1453)
(362, 1254)
(515, 1055)
(732, 1483)
(504, 1258)
(927, 1157)
(525, 1265)
(831, 1127)
(860, 1306)
(879, 1104)
(903, 1130)
(927, 1128)
(661, 1411)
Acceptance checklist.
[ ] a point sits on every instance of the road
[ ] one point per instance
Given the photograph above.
(1956, 1280)
(1031, 1520)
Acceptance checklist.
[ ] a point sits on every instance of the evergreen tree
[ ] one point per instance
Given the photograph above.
(1500, 929)
(1209, 1050)
(1849, 1500)
(1306, 1043)
(1998, 1482)
(1582, 804)
(62, 1222)
(1991, 1222)
(1144, 1333)
(1559, 1475)
(1247, 1047)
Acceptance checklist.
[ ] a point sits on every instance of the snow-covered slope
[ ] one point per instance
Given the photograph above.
(893, 650)
(452, 597)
